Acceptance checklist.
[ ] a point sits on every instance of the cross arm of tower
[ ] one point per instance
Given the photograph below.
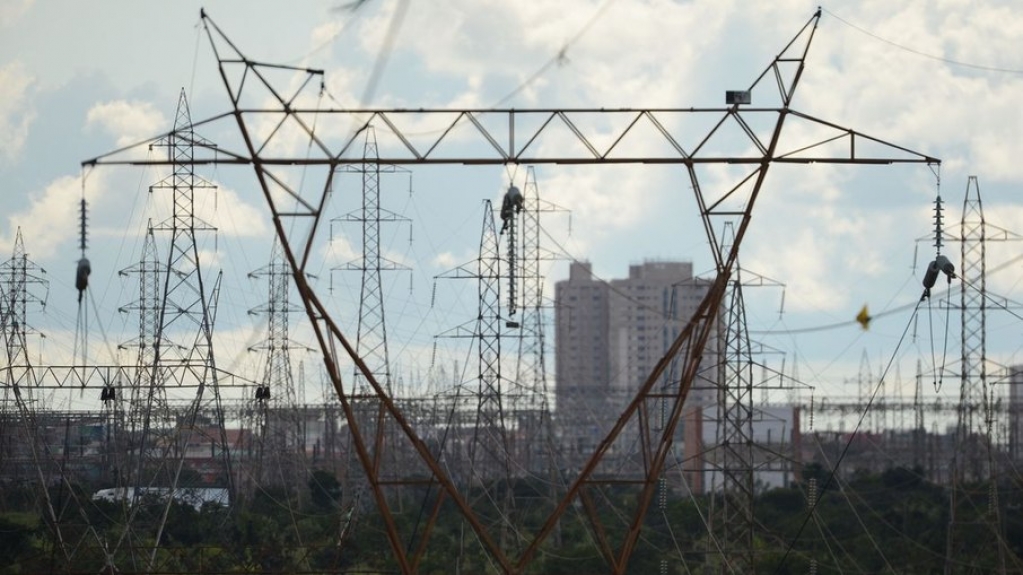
(361, 265)
(518, 135)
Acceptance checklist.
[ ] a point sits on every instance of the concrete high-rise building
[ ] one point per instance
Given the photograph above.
(610, 336)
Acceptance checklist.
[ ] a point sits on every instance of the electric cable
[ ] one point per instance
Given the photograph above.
(921, 53)
(848, 444)
(859, 520)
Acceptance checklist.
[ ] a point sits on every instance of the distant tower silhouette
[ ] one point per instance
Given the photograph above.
(23, 450)
(371, 339)
(276, 407)
(484, 417)
(536, 447)
(974, 481)
(371, 332)
(185, 336)
(149, 421)
(21, 280)
(177, 370)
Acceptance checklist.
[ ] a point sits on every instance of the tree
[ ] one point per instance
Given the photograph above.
(324, 490)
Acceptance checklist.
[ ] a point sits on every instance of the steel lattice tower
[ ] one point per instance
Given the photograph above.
(176, 342)
(175, 358)
(279, 440)
(734, 447)
(490, 447)
(735, 455)
(731, 456)
(973, 459)
(531, 369)
(148, 413)
(974, 390)
(19, 276)
(371, 336)
(278, 379)
(149, 426)
(185, 334)
(487, 450)
(482, 417)
(490, 427)
(371, 329)
(20, 281)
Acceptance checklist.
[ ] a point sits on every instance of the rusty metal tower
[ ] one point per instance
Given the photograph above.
(514, 136)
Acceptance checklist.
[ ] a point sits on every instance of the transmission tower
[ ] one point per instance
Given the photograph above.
(497, 137)
(735, 455)
(531, 368)
(176, 314)
(974, 476)
(482, 421)
(371, 332)
(488, 451)
(25, 453)
(279, 420)
(484, 409)
(148, 411)
(974, 388)
(149, 423)
(22, 281)
(371, 329)
(188, 306)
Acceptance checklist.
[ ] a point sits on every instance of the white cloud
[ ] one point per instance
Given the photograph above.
(905, 86)
(129, 122)
(608, 202)
(16, 110)
(210, 259)
(832, 237)
(339, 251)
(588, 52)
(445, 260)
(51, 219)
(233, 216)
(214, 206)
(12, 10)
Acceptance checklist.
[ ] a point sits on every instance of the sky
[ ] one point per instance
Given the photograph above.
(940, 78)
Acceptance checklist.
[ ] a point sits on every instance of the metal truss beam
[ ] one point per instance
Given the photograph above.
(491, 127)
(120, 377)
